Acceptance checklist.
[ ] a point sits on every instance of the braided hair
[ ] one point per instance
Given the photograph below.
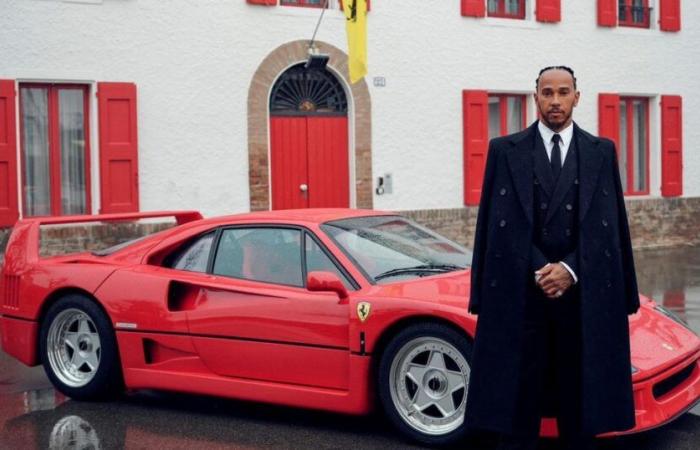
(568, 69)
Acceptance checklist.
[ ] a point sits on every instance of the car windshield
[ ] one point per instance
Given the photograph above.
(390, 248)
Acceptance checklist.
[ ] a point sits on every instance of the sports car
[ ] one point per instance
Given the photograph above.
(334, 309)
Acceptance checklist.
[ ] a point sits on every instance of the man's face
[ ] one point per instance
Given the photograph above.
(556, 98)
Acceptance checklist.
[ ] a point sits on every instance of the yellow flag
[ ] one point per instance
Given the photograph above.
(356, 25)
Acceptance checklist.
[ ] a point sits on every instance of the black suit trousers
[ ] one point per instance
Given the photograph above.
(551, 372)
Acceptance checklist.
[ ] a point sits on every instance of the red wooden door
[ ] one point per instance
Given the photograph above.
(309, 162)
(328, 168)
(288, 162)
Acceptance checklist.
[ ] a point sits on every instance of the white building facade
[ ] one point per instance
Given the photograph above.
(115, 105)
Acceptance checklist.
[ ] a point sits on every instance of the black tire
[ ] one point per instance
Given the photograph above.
(105, 382)
(395, 349)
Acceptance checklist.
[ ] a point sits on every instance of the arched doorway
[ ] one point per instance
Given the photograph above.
(309, 160)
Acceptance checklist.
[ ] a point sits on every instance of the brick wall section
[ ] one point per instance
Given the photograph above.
(70, 239)
(654, 223)
(270, 68)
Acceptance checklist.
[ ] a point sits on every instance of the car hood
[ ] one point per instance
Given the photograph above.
(657, 341)
(449, 289)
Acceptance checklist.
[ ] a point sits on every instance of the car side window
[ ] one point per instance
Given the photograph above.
(271, 255)
(316, 259)
(194, 255)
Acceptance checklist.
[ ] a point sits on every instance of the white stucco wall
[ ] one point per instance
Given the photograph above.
(193, 62)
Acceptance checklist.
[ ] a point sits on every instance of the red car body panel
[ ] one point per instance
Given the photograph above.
(207, 334)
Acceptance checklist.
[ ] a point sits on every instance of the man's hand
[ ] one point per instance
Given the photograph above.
(553, 279)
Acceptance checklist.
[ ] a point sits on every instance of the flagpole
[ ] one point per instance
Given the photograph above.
(323, 10)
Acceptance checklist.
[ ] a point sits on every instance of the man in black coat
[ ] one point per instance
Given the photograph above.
(552, 281)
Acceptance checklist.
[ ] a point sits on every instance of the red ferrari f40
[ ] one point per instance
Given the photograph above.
(334, 309)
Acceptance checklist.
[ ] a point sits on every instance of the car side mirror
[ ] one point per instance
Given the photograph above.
(321, 281)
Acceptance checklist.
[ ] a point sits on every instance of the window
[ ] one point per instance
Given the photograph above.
(506, 114)
(633, 153)
(511, 9)
(317, 259)
(634, 13)
(55, 149)
(270, 255)
(387, 247)
(194, 256)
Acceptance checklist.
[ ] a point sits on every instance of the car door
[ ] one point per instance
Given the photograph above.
(253, 318)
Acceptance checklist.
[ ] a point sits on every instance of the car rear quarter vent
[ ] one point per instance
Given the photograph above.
(182, 296)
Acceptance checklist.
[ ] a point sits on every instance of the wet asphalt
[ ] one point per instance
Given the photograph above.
(35, 416)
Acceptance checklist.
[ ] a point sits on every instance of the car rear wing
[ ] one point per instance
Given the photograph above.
(23, 246)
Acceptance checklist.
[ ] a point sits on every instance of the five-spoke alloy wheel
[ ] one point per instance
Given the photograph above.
(79, 350)
(423, 381)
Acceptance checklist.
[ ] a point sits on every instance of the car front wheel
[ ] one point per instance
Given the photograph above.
(79, 351)
(423, 380)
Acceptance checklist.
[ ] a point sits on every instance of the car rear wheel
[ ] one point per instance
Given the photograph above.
(79, 351)
(423, 380)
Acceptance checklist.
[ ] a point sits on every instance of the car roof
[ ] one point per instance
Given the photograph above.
(309, 215)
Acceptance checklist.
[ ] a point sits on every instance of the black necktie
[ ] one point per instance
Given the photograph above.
(556, 157)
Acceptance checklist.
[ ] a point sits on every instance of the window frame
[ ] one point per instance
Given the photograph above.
(629, 21)
(55, 145)
(502, 14)
(304, 270)
(304, 4)
(503, 109)
(629, 151)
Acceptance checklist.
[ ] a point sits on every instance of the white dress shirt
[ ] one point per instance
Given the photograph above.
(566, 135)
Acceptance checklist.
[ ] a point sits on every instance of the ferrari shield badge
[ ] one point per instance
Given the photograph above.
(363, 309)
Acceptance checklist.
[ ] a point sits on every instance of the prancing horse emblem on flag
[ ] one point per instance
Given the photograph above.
(363, 309)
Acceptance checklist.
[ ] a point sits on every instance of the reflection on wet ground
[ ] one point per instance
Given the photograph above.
(33, 415)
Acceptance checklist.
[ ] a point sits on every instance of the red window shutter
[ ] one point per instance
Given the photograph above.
(548, 10)
(475, 117)
(670, 15)
(119, 190)
(474, 8)
(609, 118)
(607, 13)
(9, 210)
(263, 2)
(671, 146)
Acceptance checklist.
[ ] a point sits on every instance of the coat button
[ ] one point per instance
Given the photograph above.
(604, 222)
(609, 283)
(605, 192)
(544, 232)
(575, 180)
(543, 205)
(607, 253)
(502, 223)
(494, 283)
(569, 207)
(568, 231)
(503, 191)
(537, 181)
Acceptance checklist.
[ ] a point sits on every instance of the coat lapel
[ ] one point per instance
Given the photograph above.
(520, 163)
(590, 159)
(565, 181)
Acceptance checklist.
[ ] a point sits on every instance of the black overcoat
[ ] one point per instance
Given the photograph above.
(504, 262)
